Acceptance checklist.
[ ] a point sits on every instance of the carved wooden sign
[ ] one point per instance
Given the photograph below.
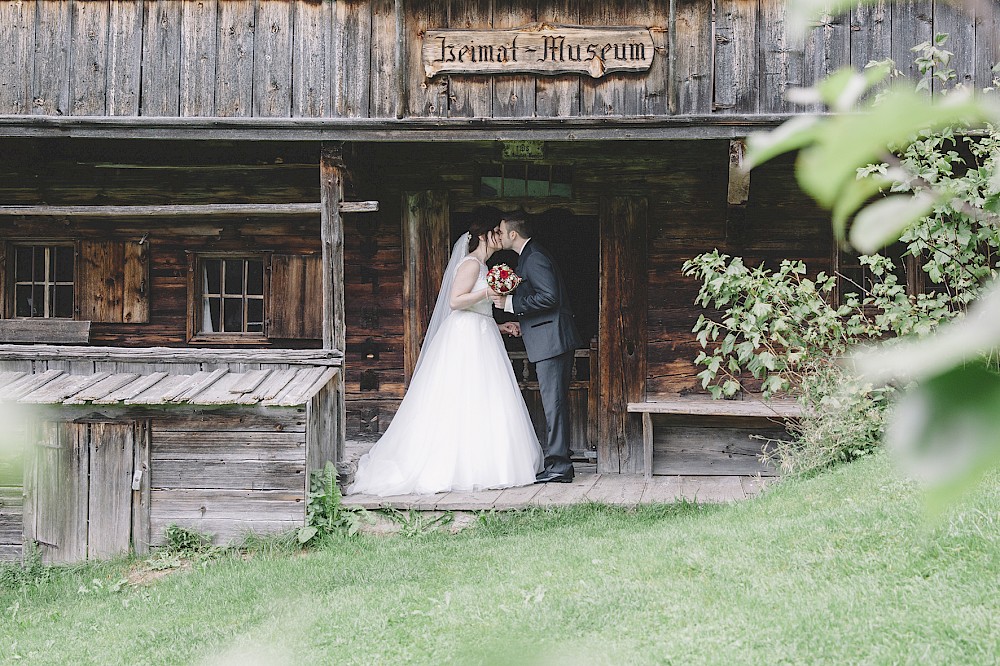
(540, 48)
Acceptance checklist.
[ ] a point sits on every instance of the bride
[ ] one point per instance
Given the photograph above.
(463, 424)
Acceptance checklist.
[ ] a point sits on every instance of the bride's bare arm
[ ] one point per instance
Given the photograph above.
(462, 295)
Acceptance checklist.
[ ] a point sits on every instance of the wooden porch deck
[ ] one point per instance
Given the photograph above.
(615, 489)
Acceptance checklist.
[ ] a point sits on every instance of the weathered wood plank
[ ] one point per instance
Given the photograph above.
(911, 24)
(197, 453)
(312, 60)
(712, 489)
(228, 474)
(987, 48)
(154, 394)
(101, 288)
(425, 97)
(50, 75)
(110, 383)
(27, 384)
(167, 443)
(713, 451)
(131, 389)
(960, 24)
(871, 35)
(60, 500)
(234, 77)
(469, 501)
(135, 285)
(650, 94)
(692, 56)
(269, 388)
(385, 76)
(17, 46)
(112, 456)
(302, 379)
(89, 60)
(250, 381)
(513, 96)
(198, 50)
(307, 387)
(161, 57)
(10, 376)
(709, 407)
(782, 63)
(331, 173)
(218, 504)
(201, 420)
(617, 489)
(10, 553)
(40, 330)
(223, 531)
(296, 294)
(736, 74)
(141, 489)
(622, 354)
(56, 391)
(470, 96)
(124, 57)
(565, 494)
(182, 210)
(513, 498)
(272, 61)
(827, 49)
(661, 490)
(148, 357)
(352, 37)
(425, 256)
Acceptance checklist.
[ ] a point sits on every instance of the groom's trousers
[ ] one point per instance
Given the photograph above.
(553, 384)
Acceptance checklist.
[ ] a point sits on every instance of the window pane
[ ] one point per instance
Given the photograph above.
(513, 187)
(233, 315)
(22, 264)
(538, 188)
(22, 300)
(211, 316)
(39, 261)
(255, 277)
(255, 315)
(62, 305)
(489, 186)
(37, 300)
(64, 264)
(234, 277)
(213, 268)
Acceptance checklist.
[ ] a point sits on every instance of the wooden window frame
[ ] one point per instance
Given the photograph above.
(524, 164)
(913, 275)
(9, 304)
(195, 297)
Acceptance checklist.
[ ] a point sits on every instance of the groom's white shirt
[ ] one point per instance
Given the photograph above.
(508, 304)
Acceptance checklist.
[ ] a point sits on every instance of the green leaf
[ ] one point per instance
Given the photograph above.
(855, 193)
(882, 222)
(791, 135)
(946, 431)
(307, 533)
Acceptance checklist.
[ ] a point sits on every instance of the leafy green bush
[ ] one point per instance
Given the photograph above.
(783, 329)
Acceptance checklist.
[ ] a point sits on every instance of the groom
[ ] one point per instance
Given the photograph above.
(541, 305)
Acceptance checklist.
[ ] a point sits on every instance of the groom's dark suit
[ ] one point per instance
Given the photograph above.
(541, 305)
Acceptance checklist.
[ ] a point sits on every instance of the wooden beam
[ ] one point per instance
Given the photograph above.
(693, 126)
(64, 331)
(331, 177)
(186, 210)
(739, 176)
(622, 332)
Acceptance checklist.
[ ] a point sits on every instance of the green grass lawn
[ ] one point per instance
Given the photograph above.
(841, 568)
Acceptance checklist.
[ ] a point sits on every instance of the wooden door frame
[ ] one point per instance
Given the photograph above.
(622, 332)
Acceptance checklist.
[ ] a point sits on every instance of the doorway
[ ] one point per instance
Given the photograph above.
(573, 240)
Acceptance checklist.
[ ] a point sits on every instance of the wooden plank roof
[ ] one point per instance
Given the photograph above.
(271, 388)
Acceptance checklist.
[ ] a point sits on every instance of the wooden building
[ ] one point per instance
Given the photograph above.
(153, 152)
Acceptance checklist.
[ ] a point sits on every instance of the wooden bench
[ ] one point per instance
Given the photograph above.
(705, 413)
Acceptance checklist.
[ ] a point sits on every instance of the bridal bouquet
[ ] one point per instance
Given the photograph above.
(502, 279)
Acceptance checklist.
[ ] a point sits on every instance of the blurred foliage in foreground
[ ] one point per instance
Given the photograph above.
(892, 165)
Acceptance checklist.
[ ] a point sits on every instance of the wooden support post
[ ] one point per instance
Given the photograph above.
(622, 332)
(331, 172)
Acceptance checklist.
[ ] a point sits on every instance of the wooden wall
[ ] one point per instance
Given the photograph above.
(319, 58)
(92, 173)
(228, 471)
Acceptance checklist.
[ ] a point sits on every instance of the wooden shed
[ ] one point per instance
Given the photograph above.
(111, 458)
(330, 153)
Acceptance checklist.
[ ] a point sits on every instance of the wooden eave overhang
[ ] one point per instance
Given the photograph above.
(681, 127)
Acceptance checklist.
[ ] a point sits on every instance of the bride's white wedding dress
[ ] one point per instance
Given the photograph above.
(463, 424)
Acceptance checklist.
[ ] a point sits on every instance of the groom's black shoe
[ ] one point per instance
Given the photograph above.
(553, 477)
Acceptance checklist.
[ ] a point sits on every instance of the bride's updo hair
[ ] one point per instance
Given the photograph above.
(484, 221)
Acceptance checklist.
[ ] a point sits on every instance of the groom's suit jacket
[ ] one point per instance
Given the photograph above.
(541, 304)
